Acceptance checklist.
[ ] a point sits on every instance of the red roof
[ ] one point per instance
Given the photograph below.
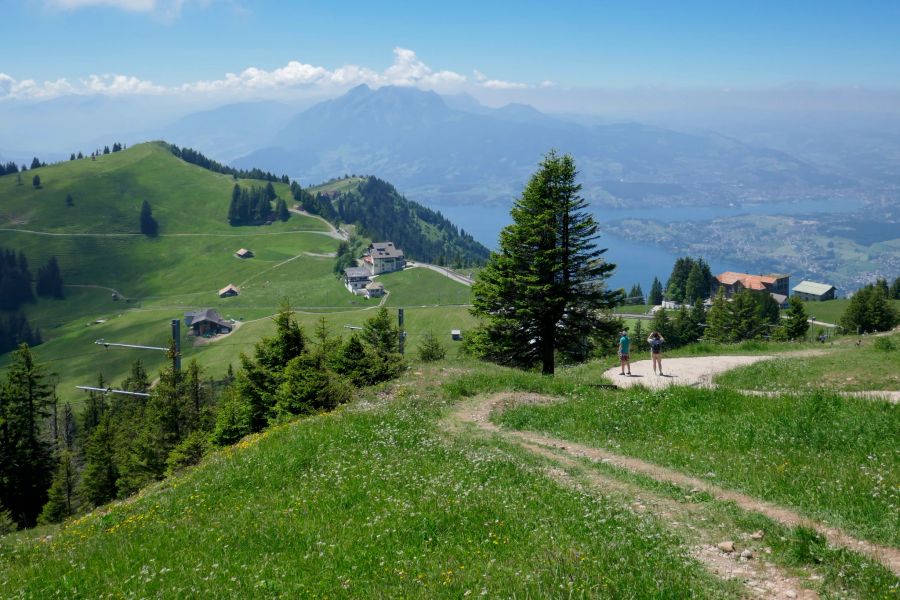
(751, 282)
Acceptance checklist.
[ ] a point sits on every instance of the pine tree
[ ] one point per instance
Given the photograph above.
(656, 293)
(234, 216)
(69, 200)
(62, 498)
(430, 348)
(745, 323)
(718, 319)
(281, 210)
(695, 285)
(663, 324)
(35, 163)
(796, 325)
(36, 181)
(26, 458)
(99, 482)
(149, 226)
(870, 310)
(542, 292)
(895, 289)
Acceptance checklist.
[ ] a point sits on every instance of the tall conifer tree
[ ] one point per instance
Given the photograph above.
(541, 293)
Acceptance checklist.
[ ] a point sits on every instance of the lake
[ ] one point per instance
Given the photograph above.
(639, 262)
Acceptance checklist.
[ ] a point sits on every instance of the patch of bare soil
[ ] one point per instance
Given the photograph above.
(478, 413)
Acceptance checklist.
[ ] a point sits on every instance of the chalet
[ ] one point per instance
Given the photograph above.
(384, 257)
(374, 290)
(811, 291)
(229, 290)
(735, 282)
(356, 279)
(244, 253)
(206, 322)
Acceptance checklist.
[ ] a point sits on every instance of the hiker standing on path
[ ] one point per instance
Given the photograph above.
(656, 341)
(624, 359)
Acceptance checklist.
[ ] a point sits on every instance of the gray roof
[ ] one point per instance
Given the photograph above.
(385, 250)
(375, 285)
(357, 272)
(207, 314)
(813, 288)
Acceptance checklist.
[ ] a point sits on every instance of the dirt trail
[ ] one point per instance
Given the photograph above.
(699, 372)
(478, 413)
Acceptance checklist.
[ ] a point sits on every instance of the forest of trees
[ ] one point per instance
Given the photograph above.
(196, 158)
(16, 289)
(381, 213)
(691, 279)
(55, 463)
(870, 308)
(253, 206)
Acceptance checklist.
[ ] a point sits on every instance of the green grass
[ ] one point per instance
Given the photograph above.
(360, 503)
(421, 286)
(181, 269)
(831, 311)
(831, 458)
(634, 309)
(845, 368)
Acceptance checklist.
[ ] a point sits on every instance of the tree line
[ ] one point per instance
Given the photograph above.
(16, 280)
(55, 463)
(381, 213)
(195, 157)
(871, 309)
(253, 206)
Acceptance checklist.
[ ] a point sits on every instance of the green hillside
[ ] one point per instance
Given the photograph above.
(99, 249)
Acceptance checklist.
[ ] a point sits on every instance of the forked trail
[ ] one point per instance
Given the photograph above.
(761, 578)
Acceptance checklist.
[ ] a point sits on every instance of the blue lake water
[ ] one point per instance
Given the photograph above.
(638, 262)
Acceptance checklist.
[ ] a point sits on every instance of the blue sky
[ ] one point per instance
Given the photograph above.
(156, 46)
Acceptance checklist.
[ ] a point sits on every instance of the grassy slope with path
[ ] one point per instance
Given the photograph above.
(181, 269)
(374, 500)
(378, 499)
(829, 457)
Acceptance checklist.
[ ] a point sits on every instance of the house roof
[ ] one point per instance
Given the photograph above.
(751, 282)
(812, 288)
(228, 288)
(375, 285)
(779, 298)
(243, 252)
(385, 250)
(207, 314)
(357, 272)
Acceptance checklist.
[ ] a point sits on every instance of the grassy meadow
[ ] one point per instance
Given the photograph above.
(181, 269)
(829, 457)
(874, 365)
(371, 501)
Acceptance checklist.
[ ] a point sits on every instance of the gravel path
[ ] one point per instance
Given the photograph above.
(697, 371)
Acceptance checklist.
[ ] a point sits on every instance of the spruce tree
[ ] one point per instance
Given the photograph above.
(870, 310)
(26, 458)
(796, 324)
(656, 293)
(149, 226)
(99, 482)
(62, 498)
(430, 348)
(543, 292)
(36, 181)
(718, 319)
(281, 210)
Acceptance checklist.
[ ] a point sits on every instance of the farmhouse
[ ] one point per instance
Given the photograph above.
(206, 322)
(244, 253)
(384, 257)
(356, 279)
(811, 291)
(229, 290)
(735, 282)
(374, 290)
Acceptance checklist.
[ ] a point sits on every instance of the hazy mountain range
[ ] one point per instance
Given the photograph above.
(452, 149)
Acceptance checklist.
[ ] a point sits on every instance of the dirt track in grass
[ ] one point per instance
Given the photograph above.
(760, 577)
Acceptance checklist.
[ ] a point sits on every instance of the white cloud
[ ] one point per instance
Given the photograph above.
(167, 7)
(497, 84)
(407, 70)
